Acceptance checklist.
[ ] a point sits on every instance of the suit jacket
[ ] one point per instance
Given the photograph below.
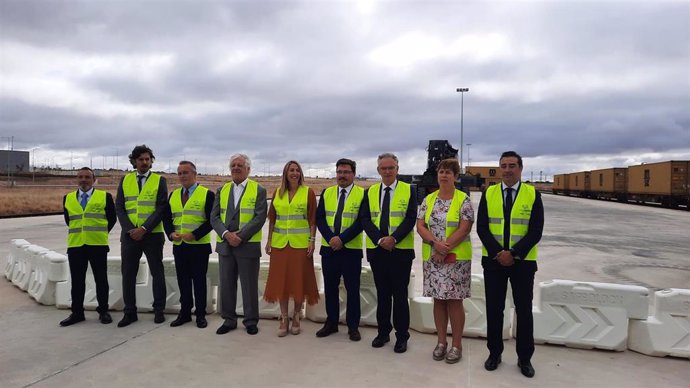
(109, 215)
(232, 224)
(152, 221)
(522, 247)
(198, 233)
(375, 234)
(345, 235)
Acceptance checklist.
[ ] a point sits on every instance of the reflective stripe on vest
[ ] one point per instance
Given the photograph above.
(140, 206)
(519, 216)
(188, 218)
(350, 212)
(291, 224)
(463, 251)
(398, 208)
(247, 206)
(87, 226)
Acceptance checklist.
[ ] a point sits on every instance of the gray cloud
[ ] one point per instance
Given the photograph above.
(564, 83)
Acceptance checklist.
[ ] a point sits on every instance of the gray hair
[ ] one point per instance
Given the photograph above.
(243, 156)
(387, 155)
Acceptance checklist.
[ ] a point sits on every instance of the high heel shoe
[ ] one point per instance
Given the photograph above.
(295, 329)
(284, 325)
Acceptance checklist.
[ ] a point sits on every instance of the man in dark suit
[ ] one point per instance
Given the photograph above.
(90, 216)
(142, 197)
(388, 215)
(239, 212)
(341, 247)
(187, 224)
(510, 221)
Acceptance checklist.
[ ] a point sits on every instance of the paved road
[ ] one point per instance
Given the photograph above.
(583, 240)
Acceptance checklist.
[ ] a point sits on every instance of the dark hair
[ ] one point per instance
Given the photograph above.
(449, 164)
(93, 174)
(138, 151)
(512, 154)
(347, 162)
(188, 163)
(284, 184)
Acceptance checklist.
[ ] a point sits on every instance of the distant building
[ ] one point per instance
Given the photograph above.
(14, 161)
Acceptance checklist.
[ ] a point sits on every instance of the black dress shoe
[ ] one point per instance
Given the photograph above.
(327, 329)
(158, 317)
(379, 341)
(201, 322)
(127, 319)
(526, 368)
(252, 329)
(354, 335)
(180, 320)
(105, 318)
(492, 362)
(225, 329)
(400, 346)
(72, 319)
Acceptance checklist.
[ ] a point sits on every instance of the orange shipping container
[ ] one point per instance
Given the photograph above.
(579, 181)
(609, 180)
(560, 182)
(663, 178)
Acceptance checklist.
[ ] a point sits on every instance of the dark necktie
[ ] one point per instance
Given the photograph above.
(84, 200)
(508, 207)
(385, 211)
(339, 213)
(185, 196)
(140, 179)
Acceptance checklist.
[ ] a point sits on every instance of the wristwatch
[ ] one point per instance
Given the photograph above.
(515, 257)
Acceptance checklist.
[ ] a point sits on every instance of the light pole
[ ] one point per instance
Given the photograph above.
(462, 92)
(33, 160)
(468, 153)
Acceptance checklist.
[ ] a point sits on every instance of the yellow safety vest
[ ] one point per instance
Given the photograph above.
(519, 216)
(350, 212)
(188, 218)
(140, 206)
(463, 251)
(87, 226)
(398, 208)
(292, 225)
(247, 206)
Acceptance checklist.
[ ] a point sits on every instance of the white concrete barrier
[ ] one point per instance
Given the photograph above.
(422, 312)
(63, 296)
(172, 300)
(16, 252)
(26, 266)
(667, 331)
(51, 268)
(587, 315)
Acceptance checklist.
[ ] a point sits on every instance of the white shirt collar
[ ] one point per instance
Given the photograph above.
(88, 193)
(514, 187)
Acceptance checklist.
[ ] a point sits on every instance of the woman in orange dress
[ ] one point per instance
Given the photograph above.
(291, 239)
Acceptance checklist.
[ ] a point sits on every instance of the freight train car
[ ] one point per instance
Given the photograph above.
(560, 184)
(609, 183)
(667, 183)
(579, 184)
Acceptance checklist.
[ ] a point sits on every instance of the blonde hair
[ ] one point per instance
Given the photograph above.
(284, 184)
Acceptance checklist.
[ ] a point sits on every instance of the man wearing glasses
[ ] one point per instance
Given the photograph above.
(341, 247)
(388, 215)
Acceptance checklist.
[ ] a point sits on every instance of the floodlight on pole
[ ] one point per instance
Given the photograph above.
(462, 92)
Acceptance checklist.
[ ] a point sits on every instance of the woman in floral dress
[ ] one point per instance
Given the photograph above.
(444, 221)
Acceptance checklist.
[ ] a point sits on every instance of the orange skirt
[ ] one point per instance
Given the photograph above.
(291, 275)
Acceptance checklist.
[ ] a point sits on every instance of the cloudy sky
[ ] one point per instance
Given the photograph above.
(571, 85)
